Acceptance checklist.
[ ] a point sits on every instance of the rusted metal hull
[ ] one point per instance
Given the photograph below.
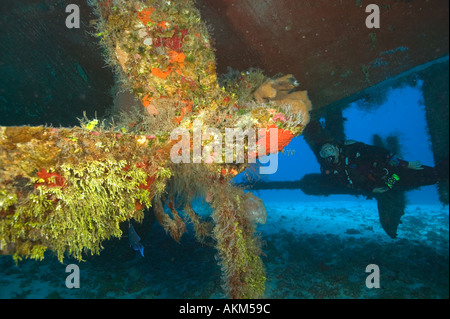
(325, 43)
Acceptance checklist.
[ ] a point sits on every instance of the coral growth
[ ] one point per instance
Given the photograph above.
(238, 249)
(67, 190)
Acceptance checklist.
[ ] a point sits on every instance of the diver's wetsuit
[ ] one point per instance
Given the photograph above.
(363, 167)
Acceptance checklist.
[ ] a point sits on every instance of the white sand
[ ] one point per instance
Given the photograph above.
(311, 250)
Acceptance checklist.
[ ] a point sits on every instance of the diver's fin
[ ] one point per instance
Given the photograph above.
(391, 207)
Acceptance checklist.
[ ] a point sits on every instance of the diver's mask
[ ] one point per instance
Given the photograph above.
(330, 153)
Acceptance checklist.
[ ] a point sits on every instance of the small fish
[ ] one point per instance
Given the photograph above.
(134, 239)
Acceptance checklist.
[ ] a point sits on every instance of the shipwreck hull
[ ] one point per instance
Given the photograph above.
(324, 43)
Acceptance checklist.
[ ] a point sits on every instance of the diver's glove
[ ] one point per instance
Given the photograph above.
(416, 165)
(397, 162)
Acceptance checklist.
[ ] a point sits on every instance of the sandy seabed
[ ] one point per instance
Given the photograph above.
(311, 250)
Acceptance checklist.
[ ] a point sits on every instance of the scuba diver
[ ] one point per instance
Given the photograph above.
(356, 168)
(367, 168)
